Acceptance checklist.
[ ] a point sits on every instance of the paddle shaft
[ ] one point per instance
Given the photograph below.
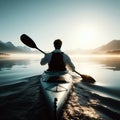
(41, 51)
(77, 72)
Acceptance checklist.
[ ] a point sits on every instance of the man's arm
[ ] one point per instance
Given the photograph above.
(68, 62)
(45, 59)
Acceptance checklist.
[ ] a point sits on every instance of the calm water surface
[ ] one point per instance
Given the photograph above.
(21, 97)
(105, 69)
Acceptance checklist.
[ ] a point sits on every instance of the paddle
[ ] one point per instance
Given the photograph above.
(29, 42)
(86, 78)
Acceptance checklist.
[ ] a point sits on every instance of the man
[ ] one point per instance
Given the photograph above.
(57, 60)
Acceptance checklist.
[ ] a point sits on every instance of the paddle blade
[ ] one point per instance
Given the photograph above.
(28, 41)
(87, 79)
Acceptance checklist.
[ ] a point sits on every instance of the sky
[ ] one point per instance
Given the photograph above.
(83, 24)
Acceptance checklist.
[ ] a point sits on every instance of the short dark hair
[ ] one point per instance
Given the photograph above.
(57, 44)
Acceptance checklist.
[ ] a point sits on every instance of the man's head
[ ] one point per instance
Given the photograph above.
(57, 44)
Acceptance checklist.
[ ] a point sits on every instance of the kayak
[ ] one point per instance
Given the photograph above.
(56, 87)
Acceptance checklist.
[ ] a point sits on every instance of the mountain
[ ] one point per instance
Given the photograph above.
(9, 47)
(111, 47)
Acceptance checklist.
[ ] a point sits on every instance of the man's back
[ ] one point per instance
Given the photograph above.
(57, 62)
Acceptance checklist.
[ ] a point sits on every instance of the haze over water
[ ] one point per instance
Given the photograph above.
(105, 70)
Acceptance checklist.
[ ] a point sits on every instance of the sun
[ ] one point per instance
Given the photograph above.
(87, 37)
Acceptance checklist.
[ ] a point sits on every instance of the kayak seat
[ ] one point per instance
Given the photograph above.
(57, 79)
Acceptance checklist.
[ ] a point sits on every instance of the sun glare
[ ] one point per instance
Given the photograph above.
(87, 35)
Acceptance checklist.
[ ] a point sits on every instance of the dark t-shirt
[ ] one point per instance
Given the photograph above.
(57, 62)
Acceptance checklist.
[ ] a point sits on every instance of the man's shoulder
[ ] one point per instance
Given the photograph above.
(65, 55)
(48, 54)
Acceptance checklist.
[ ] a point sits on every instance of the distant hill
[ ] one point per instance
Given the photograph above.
(9, 47)
(111, 47)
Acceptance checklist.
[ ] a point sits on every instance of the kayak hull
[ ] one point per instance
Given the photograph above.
(56, 88)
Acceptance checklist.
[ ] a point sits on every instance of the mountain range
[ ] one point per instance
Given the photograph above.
(9, 47)
(113, 47)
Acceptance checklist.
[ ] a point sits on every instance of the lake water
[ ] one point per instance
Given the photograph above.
(104, 69)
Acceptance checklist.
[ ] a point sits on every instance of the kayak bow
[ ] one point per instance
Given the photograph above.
(56, 88)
